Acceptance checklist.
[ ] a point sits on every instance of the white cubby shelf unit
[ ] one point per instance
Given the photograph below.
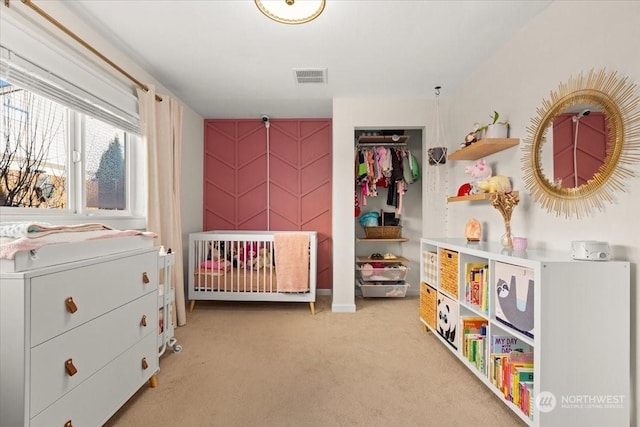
(579, 335)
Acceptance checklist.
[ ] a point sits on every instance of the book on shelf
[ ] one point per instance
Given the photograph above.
(504, 371)
(476, 285)
(519, 375)
(515, 361)
(508, 343)
(474, 334)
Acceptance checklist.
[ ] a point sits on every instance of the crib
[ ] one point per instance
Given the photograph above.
(279, 266)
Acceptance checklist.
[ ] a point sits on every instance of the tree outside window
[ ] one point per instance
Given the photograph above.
(111, 177)
(33, 166)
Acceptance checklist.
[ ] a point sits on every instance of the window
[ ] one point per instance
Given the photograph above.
(57, 158)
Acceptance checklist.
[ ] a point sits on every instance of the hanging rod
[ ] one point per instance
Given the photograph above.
(93, 50)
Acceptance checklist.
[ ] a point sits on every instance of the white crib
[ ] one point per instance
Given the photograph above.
(250, 266)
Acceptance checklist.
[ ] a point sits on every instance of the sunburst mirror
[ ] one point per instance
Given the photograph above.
(596, 169)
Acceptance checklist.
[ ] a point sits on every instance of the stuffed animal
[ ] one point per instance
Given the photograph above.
(246, 253)
(479, 172)
(214, 251)
(494, 184)
(262, 260)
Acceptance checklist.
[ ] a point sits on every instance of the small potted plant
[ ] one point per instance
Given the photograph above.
(495, 129)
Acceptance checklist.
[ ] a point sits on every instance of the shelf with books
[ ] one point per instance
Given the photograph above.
(536, 310)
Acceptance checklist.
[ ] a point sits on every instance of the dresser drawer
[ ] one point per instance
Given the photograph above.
(94, 401)
(94, 289)
(89, 347)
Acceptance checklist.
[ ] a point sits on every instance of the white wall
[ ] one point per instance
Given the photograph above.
(567, 38)
(193, 130)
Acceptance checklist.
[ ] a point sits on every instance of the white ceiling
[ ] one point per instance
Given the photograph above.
(225, 59)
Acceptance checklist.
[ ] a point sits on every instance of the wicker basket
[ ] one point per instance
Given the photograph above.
(383, 232)
(449, 272)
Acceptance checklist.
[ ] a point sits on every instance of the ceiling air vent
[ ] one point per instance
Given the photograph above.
(310, 75)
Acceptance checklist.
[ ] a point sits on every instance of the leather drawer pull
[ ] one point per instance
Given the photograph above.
(68, 424)
(71, 370)
(143, 321)
(145, 278)
(71, 306)
(145, 364)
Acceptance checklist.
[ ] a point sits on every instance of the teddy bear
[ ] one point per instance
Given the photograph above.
(480, 171)
(262, 260)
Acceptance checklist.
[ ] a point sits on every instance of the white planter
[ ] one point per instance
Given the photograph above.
(497, 130)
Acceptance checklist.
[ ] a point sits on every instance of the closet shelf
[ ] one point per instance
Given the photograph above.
(472, 197)
(364, 239)
(397, 259)
(483, 148)
(371, 141)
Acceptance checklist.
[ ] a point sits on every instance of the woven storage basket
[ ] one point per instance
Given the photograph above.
(383, 232)
(449, 272)
(428, 303)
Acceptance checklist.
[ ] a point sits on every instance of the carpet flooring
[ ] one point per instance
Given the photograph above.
(249, 364)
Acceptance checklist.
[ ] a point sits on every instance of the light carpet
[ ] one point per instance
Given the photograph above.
(274, 364)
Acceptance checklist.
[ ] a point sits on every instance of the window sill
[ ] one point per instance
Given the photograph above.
(123, 222)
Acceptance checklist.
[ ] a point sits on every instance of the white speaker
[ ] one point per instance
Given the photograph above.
(590, 250)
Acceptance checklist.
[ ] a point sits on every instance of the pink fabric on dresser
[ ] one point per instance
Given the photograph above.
(8, 250)
(292, 261)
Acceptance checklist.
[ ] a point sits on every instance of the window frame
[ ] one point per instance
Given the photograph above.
(133, 217)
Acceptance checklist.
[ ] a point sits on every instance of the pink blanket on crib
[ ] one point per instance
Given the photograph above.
(292, 261)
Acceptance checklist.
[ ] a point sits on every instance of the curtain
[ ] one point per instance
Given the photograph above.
(161, 126)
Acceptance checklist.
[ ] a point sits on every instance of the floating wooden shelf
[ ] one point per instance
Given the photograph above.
(364, 239)
(367, 259)
(483, 148)
(472, 197)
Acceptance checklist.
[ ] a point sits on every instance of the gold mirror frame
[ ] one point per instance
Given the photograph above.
(619, 103)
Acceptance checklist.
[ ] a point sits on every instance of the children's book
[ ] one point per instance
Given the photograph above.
(471, 327)
(519, 374)
(508, 343)
(474, 282)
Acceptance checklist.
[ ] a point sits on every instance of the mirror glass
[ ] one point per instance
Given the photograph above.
(583, 143)
(576, 146)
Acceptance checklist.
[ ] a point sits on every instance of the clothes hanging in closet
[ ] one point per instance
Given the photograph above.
(384, 167)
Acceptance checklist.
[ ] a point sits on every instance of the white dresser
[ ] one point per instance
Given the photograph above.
(79, 338)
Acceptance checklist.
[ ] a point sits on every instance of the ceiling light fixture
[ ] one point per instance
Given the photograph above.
(291, 11)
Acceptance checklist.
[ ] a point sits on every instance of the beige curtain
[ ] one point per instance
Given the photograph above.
(161, 125)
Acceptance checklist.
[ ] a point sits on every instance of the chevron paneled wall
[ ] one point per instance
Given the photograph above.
(270, 179)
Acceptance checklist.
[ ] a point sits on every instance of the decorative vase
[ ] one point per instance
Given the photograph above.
(497, 130)
(506, 239)
(505, 202)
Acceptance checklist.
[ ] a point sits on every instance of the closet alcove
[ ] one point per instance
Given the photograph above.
(407, 248)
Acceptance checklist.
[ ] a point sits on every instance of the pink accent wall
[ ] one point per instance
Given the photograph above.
(236, 161)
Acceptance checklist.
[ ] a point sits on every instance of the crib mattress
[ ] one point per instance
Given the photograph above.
(236, 280)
